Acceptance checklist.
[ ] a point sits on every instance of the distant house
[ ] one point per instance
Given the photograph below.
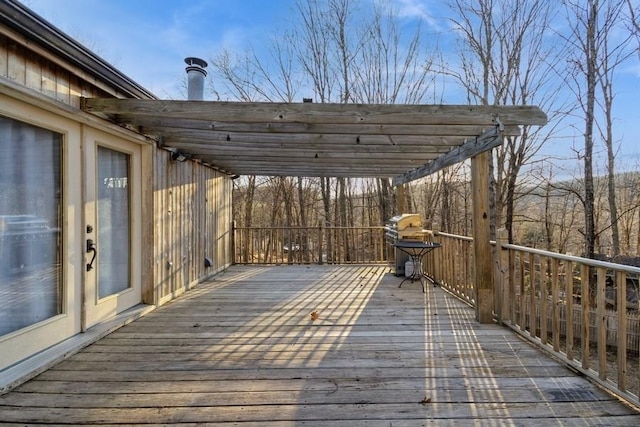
(98, 223)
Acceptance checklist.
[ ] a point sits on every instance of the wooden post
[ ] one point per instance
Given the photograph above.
(481, 237)
(150, 294)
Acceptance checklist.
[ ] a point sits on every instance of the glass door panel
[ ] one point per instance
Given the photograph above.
(113, 222)
(30, 225)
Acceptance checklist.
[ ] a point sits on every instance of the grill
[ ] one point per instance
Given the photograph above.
(402, 227)
(26, 242)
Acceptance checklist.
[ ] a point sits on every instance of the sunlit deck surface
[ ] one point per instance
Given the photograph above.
(243, 349)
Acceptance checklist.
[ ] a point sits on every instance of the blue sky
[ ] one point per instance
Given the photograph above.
(148, 40)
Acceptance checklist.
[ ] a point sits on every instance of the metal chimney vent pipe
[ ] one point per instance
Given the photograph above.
(196, 73)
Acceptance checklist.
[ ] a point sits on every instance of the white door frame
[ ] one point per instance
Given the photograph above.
(96, 309)
(26, 342)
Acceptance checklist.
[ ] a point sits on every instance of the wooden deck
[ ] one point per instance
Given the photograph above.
(243, 349)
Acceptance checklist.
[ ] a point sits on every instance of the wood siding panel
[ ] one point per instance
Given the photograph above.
(3, 56)
(33, 71)
(192, 206)
(33, 74)
(63, 86)
(15, 64)
(49, 80)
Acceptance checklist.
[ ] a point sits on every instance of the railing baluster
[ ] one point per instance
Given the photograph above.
(544, 300)
(512, 285)
(585, 303)
(601, 323)
(532, 295)
(523, 301)
(555, 325)
(503, 272)
(621, 305)
(568, 277)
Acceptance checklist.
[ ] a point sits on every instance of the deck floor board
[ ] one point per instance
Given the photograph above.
(243, 349)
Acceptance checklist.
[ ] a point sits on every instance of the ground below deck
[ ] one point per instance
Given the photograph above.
(244, 349)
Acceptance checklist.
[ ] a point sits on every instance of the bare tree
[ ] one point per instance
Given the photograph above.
(583, 20)
(313, 48)
(392, 67)
(505, 60)
(598, 49)
(615, 49)
(634, 22)
(247, 77)
(613, 53)
(628, 196)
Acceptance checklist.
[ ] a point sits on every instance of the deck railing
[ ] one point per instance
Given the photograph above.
(309, 245)
(583, 311)
(451, 265)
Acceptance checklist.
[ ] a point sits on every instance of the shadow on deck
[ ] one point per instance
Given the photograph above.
(244, 349)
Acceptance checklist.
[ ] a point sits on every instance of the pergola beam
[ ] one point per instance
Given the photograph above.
(471, 148)
(311, 113)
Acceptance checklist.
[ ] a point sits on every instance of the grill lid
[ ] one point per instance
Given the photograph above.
(404, 221)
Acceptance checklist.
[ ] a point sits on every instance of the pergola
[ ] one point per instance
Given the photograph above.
(402, 142)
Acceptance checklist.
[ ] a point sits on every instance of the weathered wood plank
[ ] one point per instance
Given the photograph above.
(172, 135)
(200, 148)
(506, 385)
(258, 112)
(16, 67)
(197, 347)
(436, 358)
(332, 393)
(168, 343)
(326, 158)
(4, 59)
(299, 169)
(152, 124)
(363, 411)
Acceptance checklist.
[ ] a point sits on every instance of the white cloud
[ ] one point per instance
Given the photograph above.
(415, 9)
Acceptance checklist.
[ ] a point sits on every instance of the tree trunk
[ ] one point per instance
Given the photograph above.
(611, 183)
(445, 216)
(248, 216)
(325, 184)
(591, 70)
(385, 199)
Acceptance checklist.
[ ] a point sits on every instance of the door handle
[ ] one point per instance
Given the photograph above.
(91, 247)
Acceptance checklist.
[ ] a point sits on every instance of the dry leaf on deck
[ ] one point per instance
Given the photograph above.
(314, 315)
